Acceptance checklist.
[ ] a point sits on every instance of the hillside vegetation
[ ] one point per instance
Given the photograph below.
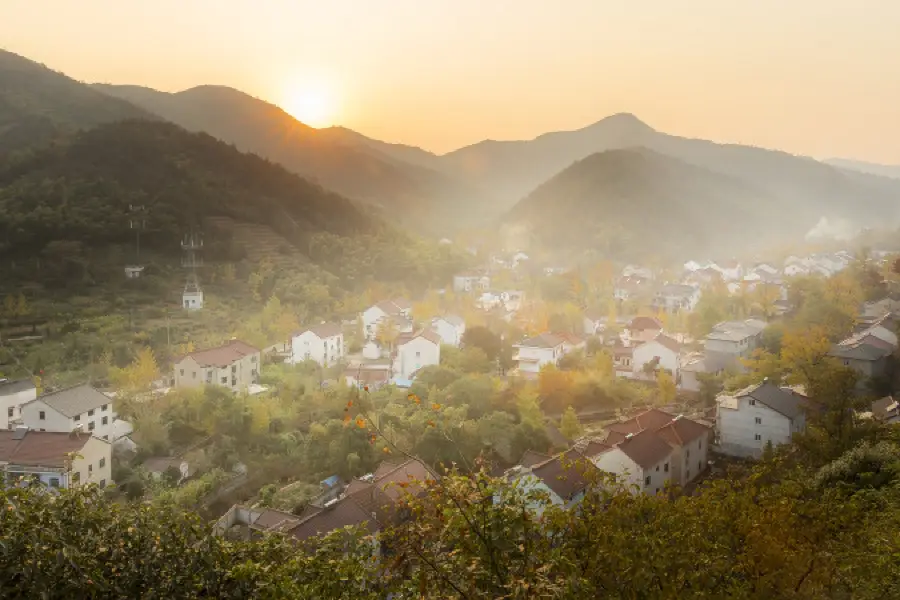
(408, 191)
(37, 104)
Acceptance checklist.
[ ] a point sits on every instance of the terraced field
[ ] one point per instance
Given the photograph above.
(258, 241)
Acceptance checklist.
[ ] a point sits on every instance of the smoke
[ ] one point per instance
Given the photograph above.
(837, 229)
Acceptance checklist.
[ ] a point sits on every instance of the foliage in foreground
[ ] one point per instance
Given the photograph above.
(781, 531)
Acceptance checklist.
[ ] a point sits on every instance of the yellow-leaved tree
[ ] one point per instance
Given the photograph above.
(665, 387)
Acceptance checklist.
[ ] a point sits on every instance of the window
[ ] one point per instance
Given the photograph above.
(224, 380)
(699, 465)
(647, 480)
(193, 374)
(234, 368)
(688, 454)
(752, 402)
(104, 407)
(9, 412)
(757, 437)
(758, 421)
(105, 421)
(91, 425)
(181, 372)
(54, 482)
(90, 468)
(102, 462)
(103, 483)
(91, 413)
(657, 490)
(666, 467)
(657, 468)
(76, 418)
(418, 354)
(42, 416)
(42, 429)
(700, 444)
(688, 474)
(253, 358)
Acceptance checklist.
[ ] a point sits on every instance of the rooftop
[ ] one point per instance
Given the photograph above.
(39, 448)
(221, 356)
(75, 400)
(564, 473)
(324, 330)
(544, 340)
(9, 386)
(782, 400)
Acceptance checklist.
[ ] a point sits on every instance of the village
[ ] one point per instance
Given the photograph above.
(665, 442)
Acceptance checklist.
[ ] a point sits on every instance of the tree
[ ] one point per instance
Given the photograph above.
(554, 387)
(569, 425)
(386, 333)
(529, 407)
(804, 355)
(665, 387)
(484, 338)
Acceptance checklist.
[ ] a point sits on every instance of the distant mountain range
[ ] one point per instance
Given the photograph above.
(540, 185)
(892, 171)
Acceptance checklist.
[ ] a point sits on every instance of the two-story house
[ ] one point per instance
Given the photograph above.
(414, 351)
(234, 365)
(751, 418)
(562, 478)
(642, 461)
(13, 394)
(451, 329)
(398, 310)
(731, 341)
(322, 343)
(643, 329)
(535, 352)
(67, 409)
(662, 352)
(471, 282)
(55, 459)
(677, 297)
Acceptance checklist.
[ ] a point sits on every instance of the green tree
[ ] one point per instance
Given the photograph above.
(569, 425)
(665, 387)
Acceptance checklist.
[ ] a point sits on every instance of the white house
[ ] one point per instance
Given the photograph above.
(55, 459)
(322, 343)
(65, 410)
(730, 341)
(451, 329)
(415, 351)
(676, 297)
(471, 282)
(642, 462)
(13, 394)
(749, 419)
(533, 353)
(562, 477)
(234, 365)
(399, 310)
(662, 352)
(642, 329)
(512, 299)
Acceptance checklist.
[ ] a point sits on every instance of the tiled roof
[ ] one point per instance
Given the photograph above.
(646, 448)
(402, 303)
(682, 431)
(221, 356)
(428, 334)
(389, 307)
(668, 342)
(324, 330)
(74, 400)
(40, 448)
(544, 340)
(160, 464)
(594, 448)
(270, 519)
(781, 400)
(642, 323)
(650, 419)
(343, 513)
(9, 387)
(531, 458)
(858, 351)
(454, 320)
(564, 473)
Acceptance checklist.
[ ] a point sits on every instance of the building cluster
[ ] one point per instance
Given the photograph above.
(59, 440)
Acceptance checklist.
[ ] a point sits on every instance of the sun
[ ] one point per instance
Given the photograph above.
(311, 103)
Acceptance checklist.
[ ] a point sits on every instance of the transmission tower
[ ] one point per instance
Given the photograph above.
(191, 247)
(137, 222)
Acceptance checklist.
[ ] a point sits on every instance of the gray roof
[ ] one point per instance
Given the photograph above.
(325, 330)
(781, 400)
(860, 351)
(454, 320)
(8, 387)
(544, 340)
(74, 400)
(735, 331)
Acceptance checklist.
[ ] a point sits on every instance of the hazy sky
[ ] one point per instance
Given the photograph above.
(819, 77)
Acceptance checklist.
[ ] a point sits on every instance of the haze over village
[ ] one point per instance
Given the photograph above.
(279, 317)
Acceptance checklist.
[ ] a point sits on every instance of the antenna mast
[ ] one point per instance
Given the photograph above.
(137, 222)
(191, 247)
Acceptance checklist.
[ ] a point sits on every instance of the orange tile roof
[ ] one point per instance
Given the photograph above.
(221, 356)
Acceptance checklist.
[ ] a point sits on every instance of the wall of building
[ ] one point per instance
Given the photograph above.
(626, 470)
(308, 345)
(52, 421)
(94, 465)
(535, 358)
(738, 429)
(645, 353)
(415, 354)
(450, 334)
(237, 376)
(370, 318)
(13, 401)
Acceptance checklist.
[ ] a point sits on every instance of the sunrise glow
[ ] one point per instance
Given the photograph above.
(311, 102)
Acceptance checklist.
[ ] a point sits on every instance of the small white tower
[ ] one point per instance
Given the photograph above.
(192, 297)
(137, 222)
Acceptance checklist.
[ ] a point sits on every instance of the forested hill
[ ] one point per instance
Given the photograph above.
(79, 189)
(37, 104)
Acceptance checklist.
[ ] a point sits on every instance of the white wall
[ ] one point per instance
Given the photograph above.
(631, 474)
(450, 334)
(541, 355)
(738, 428)
(646, 352)
(14, 401)
(244, 371)
(310, 346)
(56, 421)
(95, 465)
(415, 354)
(370, 318)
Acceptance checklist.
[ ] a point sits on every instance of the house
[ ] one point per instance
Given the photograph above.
(374, 501)
(677, 297)
(593, 322)
(450, 328)
(643, 329)
(563, 478)
(55, 459)
(471, 282)
(637, 271)
(864, 355)
(692, 368)
(661, 352)
(368, 373)
(399, 310)
(623, 356)
(13, 394)
(571, 342)
(535, 352)
(414, 351)
(731, 341)
(751, 418)
(158, 466)
(653, 449)
(234, 365)
(512, 299)
(65, 410)
(886, 410)
(630, 287)
(323, 344)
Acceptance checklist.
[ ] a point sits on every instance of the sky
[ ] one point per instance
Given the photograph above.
(814, 77)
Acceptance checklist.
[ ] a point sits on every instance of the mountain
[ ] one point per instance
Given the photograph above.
(510, 170)
(892, 171)
(634, 203)
(37, 104)
(412, 155)
(335, 158)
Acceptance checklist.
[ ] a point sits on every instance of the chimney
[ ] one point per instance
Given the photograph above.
(20, 432)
